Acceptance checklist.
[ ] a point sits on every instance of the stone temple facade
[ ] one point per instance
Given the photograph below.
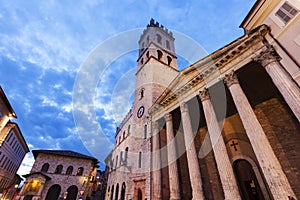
(225, 127)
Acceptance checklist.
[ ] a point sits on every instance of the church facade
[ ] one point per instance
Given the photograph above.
(225, 127)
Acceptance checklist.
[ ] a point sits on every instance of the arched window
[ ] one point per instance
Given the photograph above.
(128, 131)
(45, 167)
(58, 169)
(117, 192)
(142, 61)
(147, 54)
(142, 93)
(120, 140)
(69, 170)
(140, 159)
(79, 171)
(117, 161)
(124, 135)
(112, 192)
(158, 38)
(159, 54)
(167, 44)
(123, 191)
(145, 131)
(169, 60)
(126, 154)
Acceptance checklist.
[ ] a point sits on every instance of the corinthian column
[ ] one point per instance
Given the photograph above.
(269, 59)
(191, 154)
(225, 169)
(156, 163)
(173, 171)
(273, 173)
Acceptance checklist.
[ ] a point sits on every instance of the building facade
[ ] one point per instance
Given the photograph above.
(225, 127)
(13, 146)
(58, 174)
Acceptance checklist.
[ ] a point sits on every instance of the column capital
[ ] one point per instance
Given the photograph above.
(267, 56)
(231, 79)
(184, 107)
(204, 94)
(168, 117)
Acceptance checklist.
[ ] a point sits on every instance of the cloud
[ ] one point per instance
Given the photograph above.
(43, 45)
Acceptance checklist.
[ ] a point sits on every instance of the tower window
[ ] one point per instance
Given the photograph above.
(158, 38)
(167, 44)
(140, 159)
(169, 60)
(286, 12)
(159, 54)
(126, 154)
(128, 131)
(145, 131)
(142, 61)
(142, 93)
(147, 54)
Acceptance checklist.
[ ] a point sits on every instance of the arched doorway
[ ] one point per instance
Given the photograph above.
(72, 192)
(117, 192)
(123, 191)
(140, 194)
(247, 180)
(53, 192)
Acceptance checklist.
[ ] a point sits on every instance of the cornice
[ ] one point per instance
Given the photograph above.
(209, 65)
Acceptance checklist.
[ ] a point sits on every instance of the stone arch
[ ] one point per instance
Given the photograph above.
(257, 172)
(247, 181)
(53, 192)
(72, 192)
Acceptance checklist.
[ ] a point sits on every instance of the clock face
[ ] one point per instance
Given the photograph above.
(140, 112)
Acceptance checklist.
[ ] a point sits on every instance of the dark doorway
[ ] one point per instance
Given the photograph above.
(53, 192)
(140, 194)
(72, 192)
(123, 191)
(247, 181)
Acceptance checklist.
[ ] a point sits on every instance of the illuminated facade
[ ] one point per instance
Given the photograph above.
(59, 174)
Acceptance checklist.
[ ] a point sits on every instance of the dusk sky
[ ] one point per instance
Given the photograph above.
(45, 44)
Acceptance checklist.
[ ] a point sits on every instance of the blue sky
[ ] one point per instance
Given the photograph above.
(43, 45)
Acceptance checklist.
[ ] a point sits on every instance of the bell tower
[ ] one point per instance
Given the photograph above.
(157, 64)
